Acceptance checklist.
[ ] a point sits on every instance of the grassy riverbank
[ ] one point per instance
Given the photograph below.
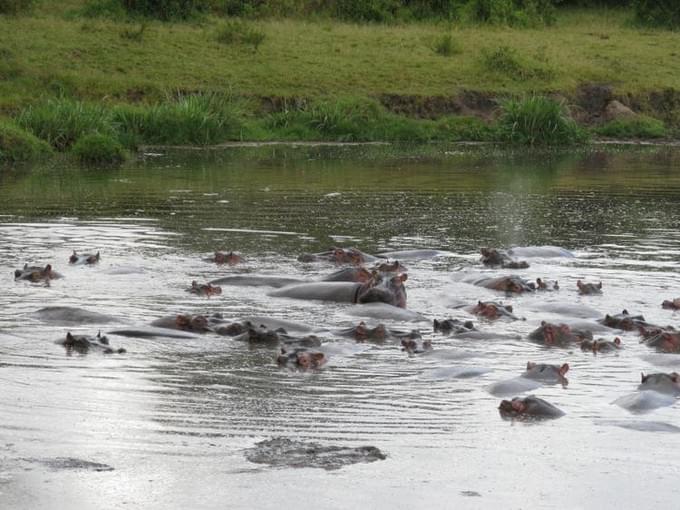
(337, 81)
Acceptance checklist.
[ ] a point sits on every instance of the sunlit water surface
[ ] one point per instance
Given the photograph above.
(173, 417)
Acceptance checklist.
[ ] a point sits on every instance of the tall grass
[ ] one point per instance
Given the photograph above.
(60, 122)
(199, 119)
(538, 120)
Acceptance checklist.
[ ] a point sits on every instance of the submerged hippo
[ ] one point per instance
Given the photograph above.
(185, 322)
(492, 310)
(415, 345)
(204, 289)
(339, 256)
(671, 304)
(661, 382)
(361, 333)
(301, 359)
(539, 251)
(601, 345)
(246, 331)
(357, 274)
(625, 321)
(558, 335)
(381, 288)
(589, 288)
(662, 339)
(36, 273)
(83, 258)
(553, 374)
(511, 283)
(82, 344)
(546, 285)
(453, 326)
(530, 407)
(492, 257)
(231, 258)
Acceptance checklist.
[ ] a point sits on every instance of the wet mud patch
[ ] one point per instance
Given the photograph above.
(283, 452)
(71, 463)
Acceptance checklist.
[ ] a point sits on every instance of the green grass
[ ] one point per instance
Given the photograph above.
(538, 120)
(639, 126)
(17, 144)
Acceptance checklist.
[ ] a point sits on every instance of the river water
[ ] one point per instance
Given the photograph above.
(169, 423)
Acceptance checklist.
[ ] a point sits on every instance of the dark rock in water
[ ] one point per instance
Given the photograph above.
(62, 463)
(284, 452)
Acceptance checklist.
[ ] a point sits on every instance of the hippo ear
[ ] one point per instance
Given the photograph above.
(403, 277)
(48, 268)
(599, 285)
(543, 323)
(617, 341)
(579, 283)
(97, 255)
(530, 365)
(99, 333)
(508, 308)
(625, 312)
(564, 369)
(643, 377)
(25, 267)
(69, 336)
(74, 253)
(675, 377)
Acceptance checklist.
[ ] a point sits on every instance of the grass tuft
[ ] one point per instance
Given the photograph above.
(507, 61)
(17, 144)
(96, 148)
(447, 46)
(60, 122)
(238, 32)
(538, 120)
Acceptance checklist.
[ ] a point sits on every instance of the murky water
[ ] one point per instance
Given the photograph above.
(169, 424)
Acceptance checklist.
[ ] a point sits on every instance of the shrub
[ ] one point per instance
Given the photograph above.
(237, 32)
(506, 61)
(60, 122)
(134, 35)
(96, 148)
(660, 13)
(538, 120)
(446, 46)
(639, 126)
(520, 13)
(17, 144)
(165, 10)
(15, 6)
(112, 9)
(201, 119)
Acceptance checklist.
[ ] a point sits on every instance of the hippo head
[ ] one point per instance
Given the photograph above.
(347, 256)
(513, 407)
(73, 258)
(306, 359)
(412, 346)
(384, 288)
(390, 267)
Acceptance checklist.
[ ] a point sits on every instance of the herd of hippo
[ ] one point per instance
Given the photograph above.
(364, 279)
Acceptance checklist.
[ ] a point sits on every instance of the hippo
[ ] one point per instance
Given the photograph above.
(339, 256)
(661, 382)
(589, 288)
(36, 273)
(539, 251)
(492, 257)
(546, 286)
(83, 258)
(530, 407)
(381, 288)
(546, 373)
(455, 326)
(559, 335)
(301, 359)
(625, 321)
(601, 345)
(230, 258)
(664, 340)
(246, 331)
(671, 304)
(83, 343)
(389, 267)
(417, 254)
(414, 346)
(185, 322)
(511, 283)
(380, 333)
(204, 289)
(492, 310)
(358, 274)
(251, 280)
